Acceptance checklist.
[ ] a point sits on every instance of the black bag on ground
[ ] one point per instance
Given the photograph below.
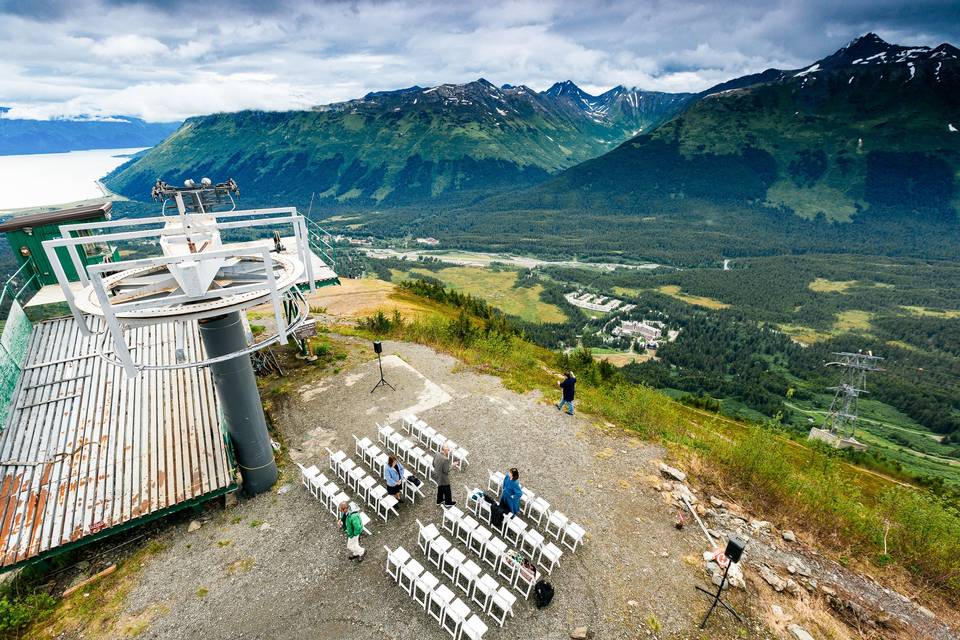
(496, 516)
(489, 497)
(542, 593)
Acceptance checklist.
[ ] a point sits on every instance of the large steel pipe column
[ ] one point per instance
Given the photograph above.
(240, 403)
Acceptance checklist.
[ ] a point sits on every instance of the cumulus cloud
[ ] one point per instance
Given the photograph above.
(170, 59)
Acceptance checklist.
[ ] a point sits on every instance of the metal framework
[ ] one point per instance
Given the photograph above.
(842, 417)
(197, 278)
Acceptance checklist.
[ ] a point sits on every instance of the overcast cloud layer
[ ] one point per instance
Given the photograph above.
(165, 61)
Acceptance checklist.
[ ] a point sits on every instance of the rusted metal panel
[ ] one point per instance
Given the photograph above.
(85, 448)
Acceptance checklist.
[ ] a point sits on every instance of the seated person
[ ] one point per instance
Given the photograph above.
(510, 498)
(393, 474)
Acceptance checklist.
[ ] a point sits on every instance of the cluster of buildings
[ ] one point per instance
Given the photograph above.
(649, 330)
(597, 303)
(430, 242)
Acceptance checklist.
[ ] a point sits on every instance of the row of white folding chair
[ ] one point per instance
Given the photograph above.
(407, 451)
(465, 574)
(452, 613)
(377, 462)
(373, 493)
(563, 530)
(328, 493)
(497, 552)
(434, 440)
(526, 539)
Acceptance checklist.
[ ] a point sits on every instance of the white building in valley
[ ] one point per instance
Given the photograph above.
(643, 329)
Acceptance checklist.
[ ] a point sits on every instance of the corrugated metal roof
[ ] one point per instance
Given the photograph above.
(55, 217)
(85, 448)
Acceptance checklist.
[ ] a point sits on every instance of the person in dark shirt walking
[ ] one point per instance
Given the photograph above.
(568, 385)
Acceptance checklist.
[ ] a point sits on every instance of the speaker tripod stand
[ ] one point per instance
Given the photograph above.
(717, 599)
(378, 347)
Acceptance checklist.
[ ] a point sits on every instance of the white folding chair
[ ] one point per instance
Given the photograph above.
(361, 445)
(467, 575)
(513, 530)
(393, 442)
(427, 461)
(502, 604)
(307, 474)
(416, 428)
(474, 497)
(573, 536)
(538, 509)
(465, 528)
(550, 556)
(413, 458)
(425, 585)
(408, 421)
(370, 453)
(354, 477)
(384, 432)
(478, 540)
(379, 463)
(526, 497)
(328, 492)
(493, 550)
(525, 580)
(495, 481)
(473, 628)
(451, 516)
(452, 560)
(454, 616)
(484, 588)
(508, 568)
(395, 561)
(376, 494)
(344, 467)
(426, 536)
(460, 457)
(412, 490)
(365, 486)
(426, 435)
(440, 599)
(532, 540)
(365, 520)
(438, 548)
(437, 442)
(335, 459)
(317, 483)
(386, 506)
(556, 523)
(409, 574)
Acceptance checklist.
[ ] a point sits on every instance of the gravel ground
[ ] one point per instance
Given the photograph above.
(275, 566)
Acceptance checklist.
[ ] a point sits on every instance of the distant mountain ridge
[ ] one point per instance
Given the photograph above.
(869, 130)
(19, 136)
(403, 146)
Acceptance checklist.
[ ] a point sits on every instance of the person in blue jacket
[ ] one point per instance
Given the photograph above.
(394, 474)
(510, 498)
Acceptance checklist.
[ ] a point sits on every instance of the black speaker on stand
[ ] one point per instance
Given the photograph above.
(378, 348)
(732, 555)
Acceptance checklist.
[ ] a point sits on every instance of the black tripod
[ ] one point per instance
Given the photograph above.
(378, 347)
(717, 600)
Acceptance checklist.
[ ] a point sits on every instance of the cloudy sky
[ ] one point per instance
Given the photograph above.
(169, 60)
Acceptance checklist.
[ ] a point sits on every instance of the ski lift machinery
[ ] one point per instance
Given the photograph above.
(198, 280)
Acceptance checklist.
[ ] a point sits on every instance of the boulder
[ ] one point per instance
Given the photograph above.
(716, 502)
(580, 633)
(799, 632)
(771, 578)
(789, 536)
(672, 473)
(193, 526)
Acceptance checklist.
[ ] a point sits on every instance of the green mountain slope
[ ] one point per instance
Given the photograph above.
(398, 147)
(869, 134)
(836, 139)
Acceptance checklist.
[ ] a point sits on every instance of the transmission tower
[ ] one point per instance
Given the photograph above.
(842, 417)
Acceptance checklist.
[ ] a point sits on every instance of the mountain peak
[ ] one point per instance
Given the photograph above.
(565, 87)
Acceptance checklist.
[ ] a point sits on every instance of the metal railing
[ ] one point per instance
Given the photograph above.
(320, 241)
(13, 289)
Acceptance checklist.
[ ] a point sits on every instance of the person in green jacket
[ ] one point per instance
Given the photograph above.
(352, 525)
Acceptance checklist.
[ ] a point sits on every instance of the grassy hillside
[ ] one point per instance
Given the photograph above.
(847, 507)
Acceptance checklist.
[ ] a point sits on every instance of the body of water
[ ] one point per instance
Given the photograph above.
(46, 179)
